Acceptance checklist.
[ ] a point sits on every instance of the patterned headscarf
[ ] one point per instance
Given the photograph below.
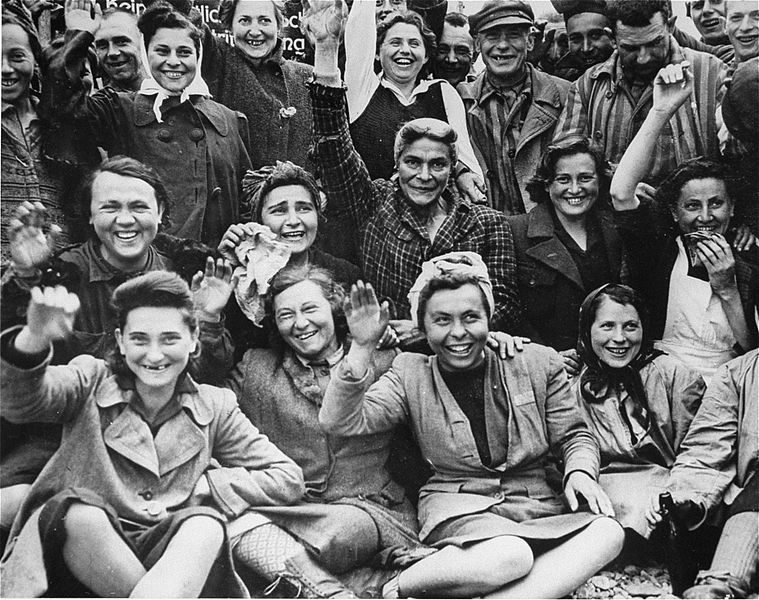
(257, 184)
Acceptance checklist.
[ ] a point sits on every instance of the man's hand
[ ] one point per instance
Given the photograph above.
(673, 85)
(506, 345)
(79, 15)
(472, 187)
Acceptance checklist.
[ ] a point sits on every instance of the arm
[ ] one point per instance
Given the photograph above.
(573, 119)
(254, 472)
(454, 109)
(360, 49)
(500, 258)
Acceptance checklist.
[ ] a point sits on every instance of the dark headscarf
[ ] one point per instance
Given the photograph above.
(598, 376)
(257, 184)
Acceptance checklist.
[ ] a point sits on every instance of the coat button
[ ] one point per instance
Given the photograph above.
(164, 135)
(154, 509)
(146, 495)
(498, 495)
(196, 135)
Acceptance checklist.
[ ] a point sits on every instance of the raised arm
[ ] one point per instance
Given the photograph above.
(673, 85)
(360, 50)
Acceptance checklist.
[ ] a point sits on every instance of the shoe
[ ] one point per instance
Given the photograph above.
(716, 586)
(305, 578)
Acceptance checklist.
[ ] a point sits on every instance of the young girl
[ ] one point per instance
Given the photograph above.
(118, 507)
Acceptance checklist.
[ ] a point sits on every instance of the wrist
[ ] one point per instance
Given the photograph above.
(208, 317)
(31, 342)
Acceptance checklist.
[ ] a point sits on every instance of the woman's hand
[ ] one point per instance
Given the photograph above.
(572, 362)
(506, 345)
(367, 320)
(673, 85)
(211, 290)
(323, 20)
(715, 254)
(645, 192)
(29, 246)
(50, 317)
(231, 239)
(79, 15)
(406, 331)
(389, 339)
(580, 483)
(744, 238)
(472, 187)
(653, 514)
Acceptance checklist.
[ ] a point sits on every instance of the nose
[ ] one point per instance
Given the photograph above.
(6, 68)
(644, 55)
(451, 56)
(457, 329)
(300, 321)
(125, 217)
(618, 334)
(154, 353)
(113, 49)
(747, 23)
(706, 213)
(574, 186)
(586, 45)
(708, 8)
(424, 172)
(292, 217)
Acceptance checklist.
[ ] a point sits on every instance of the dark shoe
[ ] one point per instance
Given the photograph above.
(717, 586)
(305, 578)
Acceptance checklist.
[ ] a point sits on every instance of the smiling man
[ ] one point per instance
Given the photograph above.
(455, 50)
(511, 107)
(709, 18)
(611, 100)
(117, 45)
(743, 28)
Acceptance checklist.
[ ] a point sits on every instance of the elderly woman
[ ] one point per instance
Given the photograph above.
(637, 401)
(487, 427)
(171, 123)
(117, 511)
(399, 224)
(703, 296)
(567, 245)
(252, 77)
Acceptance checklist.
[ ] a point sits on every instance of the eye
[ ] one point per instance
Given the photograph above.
(439, 165)
(284, 316)
(185, 52)
(441, 320)
(587, 178)
(716, 203)
(264, 21)
(243, 20)
(562, 180)
(632, 326)
(411, 162)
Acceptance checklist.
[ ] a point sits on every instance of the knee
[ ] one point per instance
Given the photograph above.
(206, 531)
(509, 558)
(609, 534)
(85, 521)
(11, 499)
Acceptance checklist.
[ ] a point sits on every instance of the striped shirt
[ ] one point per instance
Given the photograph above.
(601, 106)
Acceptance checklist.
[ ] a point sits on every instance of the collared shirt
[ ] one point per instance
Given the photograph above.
(322, 369)
(601, 106)
(182, 398)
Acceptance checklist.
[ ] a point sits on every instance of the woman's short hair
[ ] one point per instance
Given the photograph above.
(158, 289)
(447, 281)
(668, 192)
(331, 290)
(259, 183)
(227, 10)
(161, 15)
(14, 13)
(572, 146)
(408, 17)
(127, 166)
(433, 129)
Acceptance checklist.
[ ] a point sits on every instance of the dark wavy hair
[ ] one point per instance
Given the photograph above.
(227, 10)
(637, 13)
(127, 166)
(546, 170)
(162, 15)
(409, 17)
(447, 281)
(160, 289)
(331, 290)
(696, 168)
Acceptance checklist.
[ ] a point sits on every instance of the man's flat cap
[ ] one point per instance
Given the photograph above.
(501, 12)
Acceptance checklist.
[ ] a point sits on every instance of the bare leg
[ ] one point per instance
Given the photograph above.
(465, 572)
(564, 568)
(184, 567)
(97, 555)
(10, 502)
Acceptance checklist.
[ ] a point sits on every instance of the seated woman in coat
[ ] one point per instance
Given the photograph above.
(701, 292)
(566, 246)
(718, 469)
(637, 401)
(117, 511)
(487, 427)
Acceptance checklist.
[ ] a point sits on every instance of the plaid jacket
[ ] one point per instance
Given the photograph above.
(393, 240)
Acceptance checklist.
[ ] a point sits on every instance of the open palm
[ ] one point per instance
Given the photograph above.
(367, 320)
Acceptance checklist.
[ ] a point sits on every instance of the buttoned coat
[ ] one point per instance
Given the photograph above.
(108, 448)
(550, 286)
(529, 413)
(547, 99)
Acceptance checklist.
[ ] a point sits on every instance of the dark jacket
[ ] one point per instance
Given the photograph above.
(550, 285)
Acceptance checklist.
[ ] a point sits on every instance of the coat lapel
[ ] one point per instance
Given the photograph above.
(178, 440)
(550, 252)
(130, 436)
(544, 109)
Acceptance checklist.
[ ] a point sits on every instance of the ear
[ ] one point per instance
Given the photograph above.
(119, 341)
(530, 42)
(477, 47)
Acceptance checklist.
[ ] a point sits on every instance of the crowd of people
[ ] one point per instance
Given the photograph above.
(455, 306)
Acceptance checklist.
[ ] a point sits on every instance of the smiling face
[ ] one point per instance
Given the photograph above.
(173, 59)
(454, 54)
(18, 63)
(304, 320)
(125, 215)
(402, 54)
(456, 326)
(504, 51)
(423, 170)
(574, 188)
(709, 18)
(254, 26)
(704, 205)
(616, 334)
(156, 343)
(588, 38)
(643, 50)
(290, 213)
(743, 28)
(117, 48)
(385, 7)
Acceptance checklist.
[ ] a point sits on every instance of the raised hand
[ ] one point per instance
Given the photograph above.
(232, 237)
(367, 320)
(80, 16)
(673, 85)
(50, 317)
(323, 20)
(211, 290)
(715, 254)
(29, 244)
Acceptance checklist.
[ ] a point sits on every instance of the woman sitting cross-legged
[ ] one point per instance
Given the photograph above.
(487, 426)
(150, 463)
(637, 401)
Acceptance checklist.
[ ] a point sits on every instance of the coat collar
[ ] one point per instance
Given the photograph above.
(547, 248)
(212, 111)
(612, 68)
(100, 269)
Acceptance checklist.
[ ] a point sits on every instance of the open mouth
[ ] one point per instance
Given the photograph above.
(709, 23)
(501, 59)
(575, 201)
(9, 82)
(459, 349)
(173, 74)
(747, 40)
(305, 336)
(403, 62)
(618, 352)
(115, 64)
(293, 236)
(255, 43)
(155, 368)
(126, 236)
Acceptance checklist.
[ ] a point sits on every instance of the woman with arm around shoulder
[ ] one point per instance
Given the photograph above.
(702, 295)
(150, 462)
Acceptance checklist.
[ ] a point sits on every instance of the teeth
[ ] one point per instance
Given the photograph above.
(293, 234)
(459, 348)
(173, 74)
(619, 351)
(126, 235)
(156, 368)
(9, 82)
(305, 336)
(575, 201)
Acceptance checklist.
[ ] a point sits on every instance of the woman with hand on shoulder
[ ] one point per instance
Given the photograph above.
(487, 427)
(637, 401)
(703, 296)
(151, 464)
